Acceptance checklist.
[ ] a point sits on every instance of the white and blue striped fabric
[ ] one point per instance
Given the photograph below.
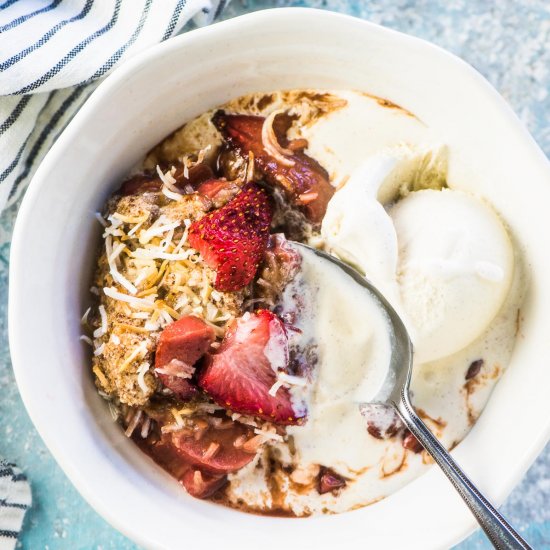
(52, 55)
(15, 499)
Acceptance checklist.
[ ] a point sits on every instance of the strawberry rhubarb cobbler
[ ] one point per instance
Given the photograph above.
(240, 363)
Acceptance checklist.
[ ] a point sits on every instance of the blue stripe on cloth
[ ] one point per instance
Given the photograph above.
(19, 477)
(7, 4)
(15, 161)
(14, 115)
(17, 158)
(174, 19)
(220, 8)
(8, 534)
(17, 505)
(118, 54)
(73, 53)
(28, 16)
(23, 53)
(35, 150)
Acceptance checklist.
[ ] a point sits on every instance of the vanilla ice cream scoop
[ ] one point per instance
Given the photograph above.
(357, 228)
(454, 270)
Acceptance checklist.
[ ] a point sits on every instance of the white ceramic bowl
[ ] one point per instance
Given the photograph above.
(55, 240)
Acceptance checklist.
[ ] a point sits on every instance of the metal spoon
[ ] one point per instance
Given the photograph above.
(395, 392)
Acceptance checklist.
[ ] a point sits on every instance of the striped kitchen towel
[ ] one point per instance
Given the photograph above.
(15, 498)
(52, 54)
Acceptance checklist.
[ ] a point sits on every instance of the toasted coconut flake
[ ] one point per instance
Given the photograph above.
(177, 417)
(273, 390)
(113, 409)
(253, 444)
(117, 219)
(268, 434)
(209, 407)
(86, 339)
(250, 167)
(142, 371)
(170, 428)
(138, 303)
(113, 269)
(84, 320)
(271, 143)
(133, 423)
(99, 373)
(213, 448)
(291, 380)
(239, 442)
(138, 352)
(99, 350)
(101, 219)
(159, 227)
(104, 324)
(145, 427)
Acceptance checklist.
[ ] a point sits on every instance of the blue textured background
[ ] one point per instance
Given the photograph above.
(507, 41)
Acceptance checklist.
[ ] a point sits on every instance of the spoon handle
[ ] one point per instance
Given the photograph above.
(501, 534)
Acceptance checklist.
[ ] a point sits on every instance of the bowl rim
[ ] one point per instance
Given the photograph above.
(112, 81)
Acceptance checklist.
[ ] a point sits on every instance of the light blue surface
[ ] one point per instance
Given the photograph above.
(507, 41)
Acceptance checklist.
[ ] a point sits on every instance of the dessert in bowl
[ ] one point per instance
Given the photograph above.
(488, 154)
(245, 367)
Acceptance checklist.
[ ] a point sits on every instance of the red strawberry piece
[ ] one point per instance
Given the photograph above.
(220, 192)
(214, 450)
(150, 181)
(282, 258)
(240, 375)
(181, 345)
(202, 484)
(411, 443)
(329, 481)
(233, 239)
(304, 181)
(164, 453)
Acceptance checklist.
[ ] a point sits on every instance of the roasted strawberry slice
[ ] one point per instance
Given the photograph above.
(198, 483)
(220, 192)
(215, 450)
(233, 239)
(150, 181)
(181, 345)
(201, 484)
(329, 481)
(241, 374)
(304, 181)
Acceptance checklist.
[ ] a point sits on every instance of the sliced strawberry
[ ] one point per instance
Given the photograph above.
(181, 345)
(220, 192)
(201, 484)
(304, 180)
(329, 481)
(233, 239)
(282, 260)
(213, 450)
(191, 450)
(150, 181)
(240, 375)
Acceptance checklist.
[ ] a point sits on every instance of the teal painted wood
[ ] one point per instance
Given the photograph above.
(506, 40)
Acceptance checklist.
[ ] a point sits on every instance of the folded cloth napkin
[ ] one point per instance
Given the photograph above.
(52, 54)
(15, 498)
